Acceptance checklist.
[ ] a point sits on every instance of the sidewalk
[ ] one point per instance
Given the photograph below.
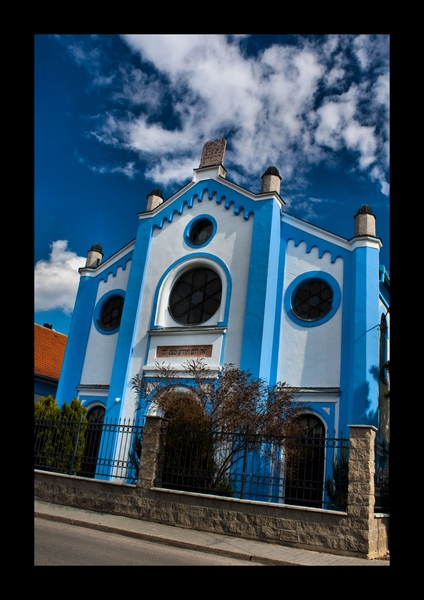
(259, 552)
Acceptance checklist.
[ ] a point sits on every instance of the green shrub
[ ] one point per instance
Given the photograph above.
(56, 433)
(337, 486)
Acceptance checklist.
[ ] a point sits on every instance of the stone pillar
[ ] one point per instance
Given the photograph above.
(361, 499)
(152, 452)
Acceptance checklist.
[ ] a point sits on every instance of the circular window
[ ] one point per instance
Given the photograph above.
(201, 232)
(196, 296)
(312, 300)
(110, 315)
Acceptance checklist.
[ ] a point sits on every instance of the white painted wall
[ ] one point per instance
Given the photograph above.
(101, 348)
(313, 358)
(231, 243)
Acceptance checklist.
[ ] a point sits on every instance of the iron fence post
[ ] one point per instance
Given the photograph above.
(243, 475)
(75, 446)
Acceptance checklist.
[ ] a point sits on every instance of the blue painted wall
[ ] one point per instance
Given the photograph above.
(129, 318)
(362, 283)
(79, 331)
(365, 320)
(262, 290)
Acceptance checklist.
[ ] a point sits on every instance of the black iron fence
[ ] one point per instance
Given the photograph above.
(105, 450)
(304, 471)
(382, 495)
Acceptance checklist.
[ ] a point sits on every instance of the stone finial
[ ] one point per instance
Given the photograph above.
(154, 199)
(213, 153)
(364, 222)
(94, 256)
(271, 180)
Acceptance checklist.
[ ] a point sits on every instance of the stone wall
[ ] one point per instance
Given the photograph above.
(357, 532)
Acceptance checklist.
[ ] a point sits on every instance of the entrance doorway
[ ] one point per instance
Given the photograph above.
(305, 465)
(93, 436)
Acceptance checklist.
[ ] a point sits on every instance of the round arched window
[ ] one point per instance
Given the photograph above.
(196, 296)
(311, 426)
(312, 299)
(111, 313)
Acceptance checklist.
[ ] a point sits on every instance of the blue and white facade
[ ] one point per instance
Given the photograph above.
(262, 259)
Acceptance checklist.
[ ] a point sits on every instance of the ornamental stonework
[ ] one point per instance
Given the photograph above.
(213, 153)
(204, 351)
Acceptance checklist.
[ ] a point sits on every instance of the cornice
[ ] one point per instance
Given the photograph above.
(111, 264)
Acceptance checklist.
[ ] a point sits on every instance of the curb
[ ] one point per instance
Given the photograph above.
(148, 537)
(254, 551)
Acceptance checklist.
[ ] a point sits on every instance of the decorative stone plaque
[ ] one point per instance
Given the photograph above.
(213, 153)
(184, 351)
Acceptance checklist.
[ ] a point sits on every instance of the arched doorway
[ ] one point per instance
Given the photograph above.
(93, 434)
(305, 464)
(188, 458)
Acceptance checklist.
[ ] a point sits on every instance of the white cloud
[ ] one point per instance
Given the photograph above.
(56, 279)
(378, 175)
(285, 106)
(128, 169)
(168, 171)
(371, 51)
(381, 90)
(309, 207)
(362, 139)
(361, 48)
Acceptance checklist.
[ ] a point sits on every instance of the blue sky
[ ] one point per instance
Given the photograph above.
(117, 115)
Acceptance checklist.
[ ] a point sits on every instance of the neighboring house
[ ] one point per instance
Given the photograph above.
(49, 350)
(219, 272)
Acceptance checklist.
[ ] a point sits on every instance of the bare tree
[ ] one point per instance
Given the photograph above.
(231, 401)
(240, 413)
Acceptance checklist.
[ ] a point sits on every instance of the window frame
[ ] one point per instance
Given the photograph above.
(194, 290)
(193, 224)
(298, 282)
(97, 317)
(303, 287)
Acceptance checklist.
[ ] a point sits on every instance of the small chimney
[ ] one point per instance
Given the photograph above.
(94, 256)
(271, 180)
(48, 326)
(364, 222)
(154, 199)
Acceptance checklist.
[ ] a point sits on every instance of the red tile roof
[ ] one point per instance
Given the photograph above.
(49, 349)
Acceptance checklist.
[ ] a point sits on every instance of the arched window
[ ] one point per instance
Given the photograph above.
(383, 349)
(305, 464)
(93, 434)
(188, 462)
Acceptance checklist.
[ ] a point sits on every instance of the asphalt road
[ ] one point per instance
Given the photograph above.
(60, 544)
